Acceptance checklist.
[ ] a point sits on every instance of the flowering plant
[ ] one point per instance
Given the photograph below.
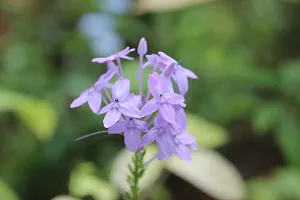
(155, 116)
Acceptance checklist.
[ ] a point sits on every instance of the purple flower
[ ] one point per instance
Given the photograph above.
(180, 74)
(142, 48)
(162, 134)
(93, 94)
(132, 129)
(120, 92)
(135, 100)
(182, 141)
(163, 100)
(119, 55)
(153, 60)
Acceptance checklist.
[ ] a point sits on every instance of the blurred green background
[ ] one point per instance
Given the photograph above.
(243, 109)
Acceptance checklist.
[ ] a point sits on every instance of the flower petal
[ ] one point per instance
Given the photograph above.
(149, 137)
(150, 107)
(181, 118)
(185, 138)
(107, 108)
(181, 81)
(94, 101)
(189, 73)
(183, 152)
(121, 89)
(155, 85)
(141, 125)
(111, 117)
(118, 127)
(166, 146)
(132, 139)
(127, 57)
(103, 60)
(173, 98)
(167, 112)
(129, 110)
(80, 100)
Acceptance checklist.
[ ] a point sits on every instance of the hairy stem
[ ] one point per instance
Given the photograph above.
(137, 170)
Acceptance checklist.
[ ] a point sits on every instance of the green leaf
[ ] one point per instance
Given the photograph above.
(37, 114)
(288, 137)
(84, 181)
(206, 133)
(6, 192)
(267, 116)
(283, 184)
(209, 172)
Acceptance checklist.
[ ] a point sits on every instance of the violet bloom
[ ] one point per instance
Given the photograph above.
(180, 115)
(180, 74)
(93, 94)
(132, 129)
(163, 100)
(120, 92)
(182, 142)
(162, 133)
(117, 56)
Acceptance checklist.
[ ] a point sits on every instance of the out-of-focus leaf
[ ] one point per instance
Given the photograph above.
(120, 170)
(64, 197)
(6, 192)
(207, 134)
(283, 184)
(211, 173)
(159, 192)
(130, 71)
(37, 114)
(266, 116)
(84, 182)
(145, 6)
(288, 136)
(290, 78)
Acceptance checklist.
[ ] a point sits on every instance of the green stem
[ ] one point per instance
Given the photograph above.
(137, 170)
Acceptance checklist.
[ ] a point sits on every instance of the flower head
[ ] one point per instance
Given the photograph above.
(161, 108)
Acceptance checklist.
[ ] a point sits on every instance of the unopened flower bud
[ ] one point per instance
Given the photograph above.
(142, 48)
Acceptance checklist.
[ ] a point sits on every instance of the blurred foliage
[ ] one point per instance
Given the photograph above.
(246, 54)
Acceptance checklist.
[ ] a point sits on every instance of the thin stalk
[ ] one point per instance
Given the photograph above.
(108, 95)
(120, 67)
(91, 134)
(140, 76)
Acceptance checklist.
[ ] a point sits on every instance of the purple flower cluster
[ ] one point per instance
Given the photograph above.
(156, 116)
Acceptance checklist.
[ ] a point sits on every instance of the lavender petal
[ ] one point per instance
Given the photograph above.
(111, 117)
(167, 112)
(129, 110)
(94, 101)
(121, 89)
(132, 139)
(150, 107)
